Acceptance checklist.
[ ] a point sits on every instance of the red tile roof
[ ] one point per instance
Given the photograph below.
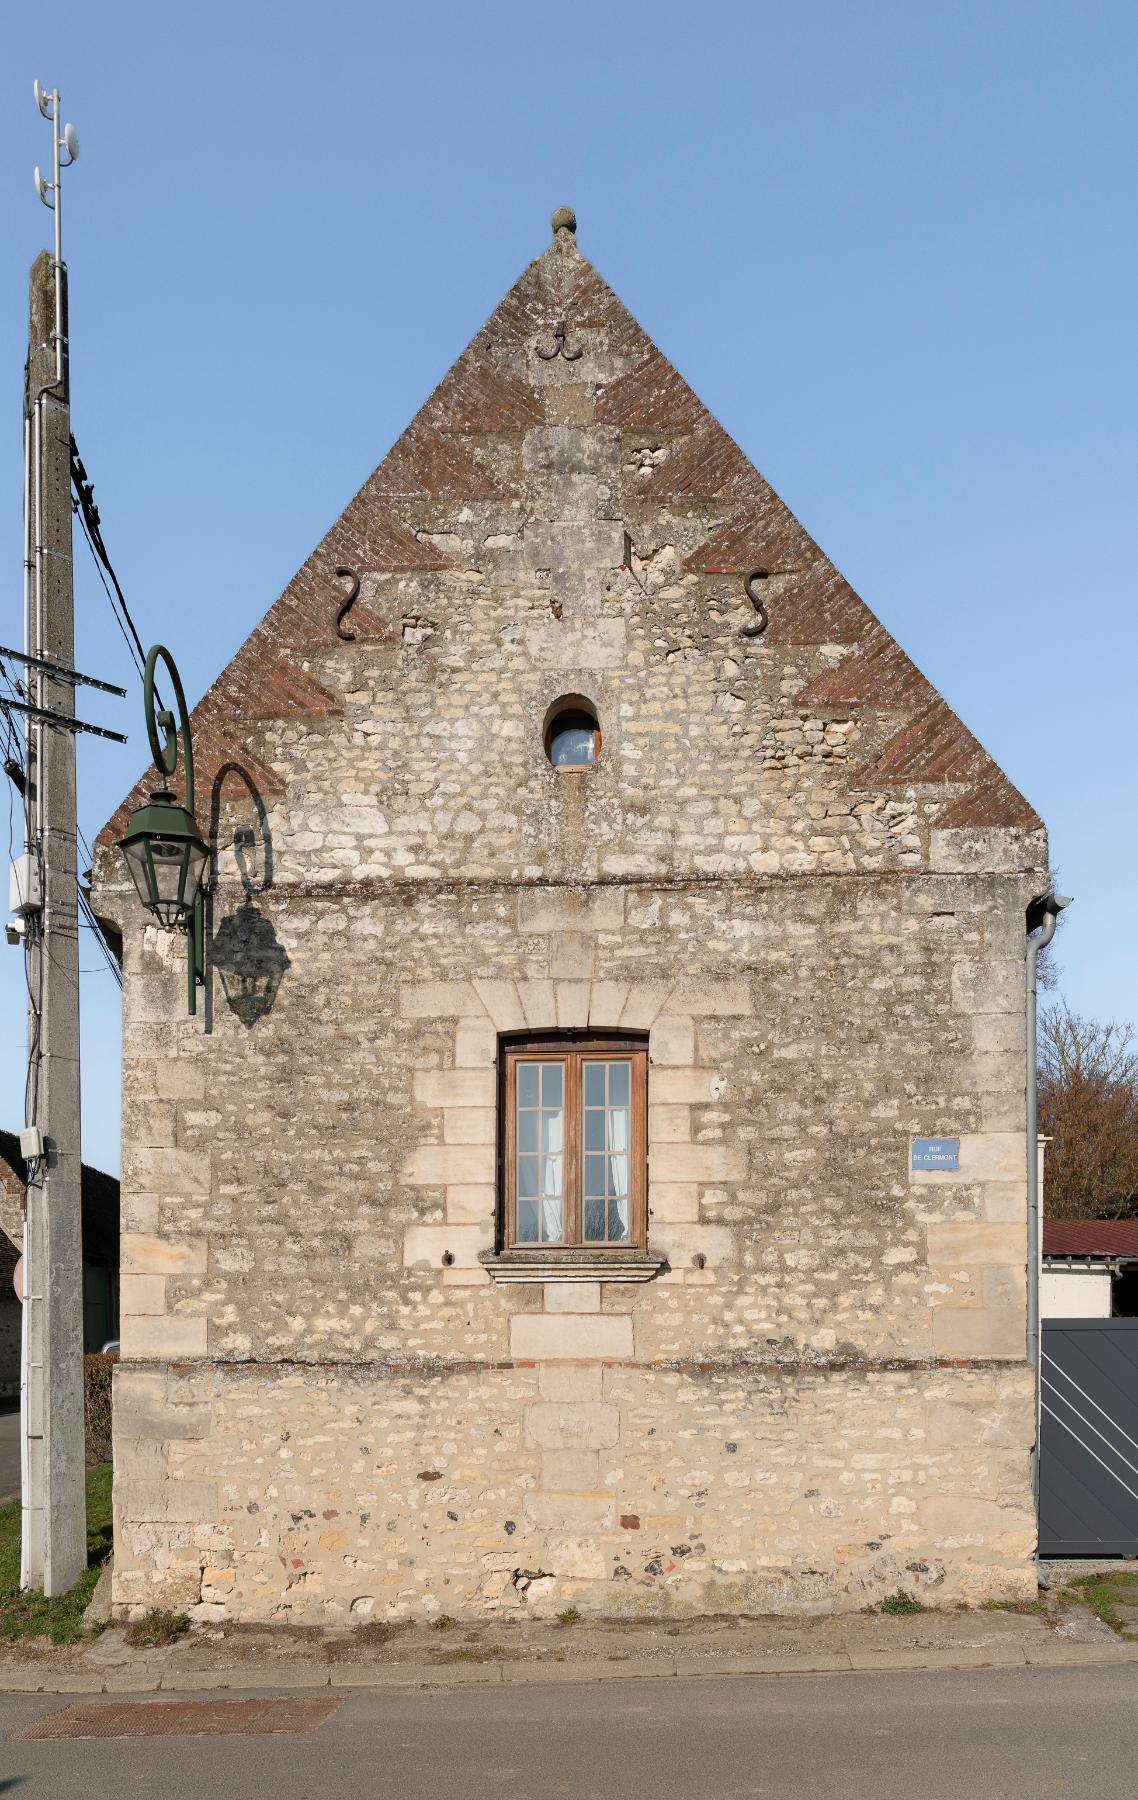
(1090, 1237)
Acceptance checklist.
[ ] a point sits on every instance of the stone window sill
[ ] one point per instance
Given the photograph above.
(571, 1265)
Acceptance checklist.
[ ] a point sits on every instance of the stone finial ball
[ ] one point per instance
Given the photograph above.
(564, 219)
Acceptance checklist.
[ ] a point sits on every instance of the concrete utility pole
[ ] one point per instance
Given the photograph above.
(54, 1519)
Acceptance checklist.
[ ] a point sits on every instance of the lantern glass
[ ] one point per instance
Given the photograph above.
(166, 859)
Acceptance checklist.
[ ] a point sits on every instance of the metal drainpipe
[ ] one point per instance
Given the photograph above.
(1042, 918)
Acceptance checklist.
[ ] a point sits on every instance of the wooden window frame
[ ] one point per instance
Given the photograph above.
(574, 1049)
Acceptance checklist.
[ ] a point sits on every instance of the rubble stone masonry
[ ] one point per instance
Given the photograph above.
(792, 869)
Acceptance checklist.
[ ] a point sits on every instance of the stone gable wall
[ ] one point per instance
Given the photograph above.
(326, 1407)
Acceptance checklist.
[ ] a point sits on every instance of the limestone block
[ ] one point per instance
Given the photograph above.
(143, 1409)
(679, 1242)
(606, 1003)
(471, 1205)
(141, 1294)
(557, 910)
(587, 1336)
(168, 1171)
(710, 1163)
(672, 1040)
(645, 998)
(429, 1243)
(457, 1277)
(439, 1000)
(979, 1331)
(569, 1512)
(188, 1502)
(1005, 1200)
(470, 1124)
(572, 957)
(475, 1044)
(450, 1165)
(173, 1336)
(454, 1087)
(984, 1156)
(718, 999)
(988, 987)
(673, 1202)
(669, 1125)
(571, 1471)
(678, 1086)
(1005, 1286)
(569, 1425)
(539, 1003)
(179, 1078)
(572, 1001)
(145, 1255)
(583, 644)
(500, 998)
(975, 1243)
(572, 1296)
(965, 850)
(569, 1381)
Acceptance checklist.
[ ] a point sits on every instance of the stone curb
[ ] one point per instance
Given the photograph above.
(403, 1676)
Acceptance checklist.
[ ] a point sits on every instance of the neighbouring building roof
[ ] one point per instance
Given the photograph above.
(100, 1204)
(1090, 1237)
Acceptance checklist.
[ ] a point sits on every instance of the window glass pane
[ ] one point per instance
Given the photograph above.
(594, 1084)
(551, 1131)
(527, 1177)
(594, 1129)
(618, 1083)
(618, 1220)
(552, 1084)
(527, 1130)
(551, 1174)
(571, 744)
(527, 1084)
(527, 1221)
(618, 1174)
(594, 1174)
(595, 1221)
(618, 1128)
(551, 1221)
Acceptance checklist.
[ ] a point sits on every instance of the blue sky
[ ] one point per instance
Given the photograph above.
(891, 246)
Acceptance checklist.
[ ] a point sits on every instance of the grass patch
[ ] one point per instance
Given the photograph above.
(443, 1622)
(901, 1604)
(486, 1654)
(29, 1614)
(1103, 1592)
(569, 1616)
(158, 1628)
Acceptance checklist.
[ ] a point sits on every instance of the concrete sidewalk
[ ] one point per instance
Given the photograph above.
(533, 1653)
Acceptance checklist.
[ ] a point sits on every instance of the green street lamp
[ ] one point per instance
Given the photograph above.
(163, 847)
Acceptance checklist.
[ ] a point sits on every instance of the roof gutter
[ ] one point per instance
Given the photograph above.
(1041, 918)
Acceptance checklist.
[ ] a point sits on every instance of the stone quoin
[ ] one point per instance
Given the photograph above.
(511, 786)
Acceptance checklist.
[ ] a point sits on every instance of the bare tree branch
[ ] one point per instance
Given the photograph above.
(1088, 1106)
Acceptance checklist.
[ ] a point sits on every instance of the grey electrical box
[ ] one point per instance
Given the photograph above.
(31, 1143)
(25, 894)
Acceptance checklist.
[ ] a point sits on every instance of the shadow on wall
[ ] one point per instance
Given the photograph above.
(244, 950)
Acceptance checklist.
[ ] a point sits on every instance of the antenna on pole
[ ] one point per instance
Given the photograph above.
(64, 151)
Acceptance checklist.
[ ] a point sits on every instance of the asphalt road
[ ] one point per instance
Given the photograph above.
(994, 1734)
(9, 1456)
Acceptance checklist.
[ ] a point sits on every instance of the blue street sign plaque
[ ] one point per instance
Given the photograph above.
(936, 1153)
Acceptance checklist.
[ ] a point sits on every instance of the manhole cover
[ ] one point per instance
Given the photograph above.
(185, 1718)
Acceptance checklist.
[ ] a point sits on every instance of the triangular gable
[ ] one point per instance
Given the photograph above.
(693, 462)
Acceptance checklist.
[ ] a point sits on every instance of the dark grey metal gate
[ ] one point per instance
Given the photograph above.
(1088, 1440)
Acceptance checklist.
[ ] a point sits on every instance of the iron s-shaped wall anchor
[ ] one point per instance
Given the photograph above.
(346, 574)
(757, 626)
